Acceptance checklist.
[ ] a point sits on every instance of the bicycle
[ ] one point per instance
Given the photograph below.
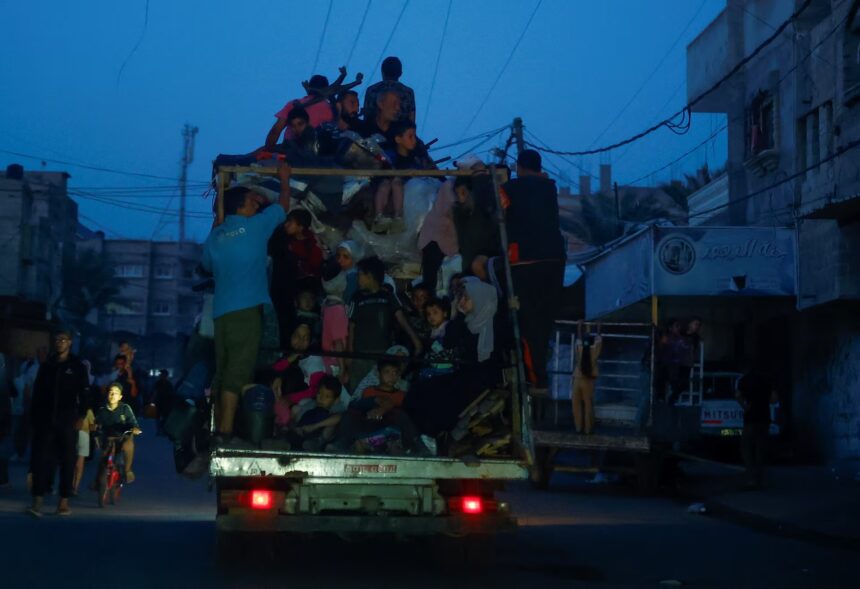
(111, 474)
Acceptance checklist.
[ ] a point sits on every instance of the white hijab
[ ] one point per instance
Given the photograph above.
(480, 319)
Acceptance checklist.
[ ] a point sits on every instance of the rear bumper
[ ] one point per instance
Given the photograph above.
(358, 524)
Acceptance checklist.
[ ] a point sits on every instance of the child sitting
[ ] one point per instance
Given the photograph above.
(335, 324)
(296, 366)
(306, 312)
(373, 314)
(114, 419)
(389, 191)
(347, 254)
(443, 341)
(417, 320)
(315, 418)
(380, 406)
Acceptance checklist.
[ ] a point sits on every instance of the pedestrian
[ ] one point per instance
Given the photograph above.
(537, 256)
(59, 405)
(21, 405)
(692, 336)
(585, 373)
(755, 392)
(163, 397)
(83, 449)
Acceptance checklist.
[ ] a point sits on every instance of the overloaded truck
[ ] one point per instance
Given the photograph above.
(266, 488)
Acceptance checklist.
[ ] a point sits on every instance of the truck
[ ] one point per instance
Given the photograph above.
(267, 490)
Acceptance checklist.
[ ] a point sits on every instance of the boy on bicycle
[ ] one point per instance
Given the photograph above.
(114, 419)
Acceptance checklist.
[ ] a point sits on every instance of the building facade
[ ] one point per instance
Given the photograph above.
(793, 115)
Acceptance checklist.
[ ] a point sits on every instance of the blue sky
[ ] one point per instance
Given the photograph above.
(227, 67)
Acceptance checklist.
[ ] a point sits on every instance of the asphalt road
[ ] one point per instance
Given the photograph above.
(162, 536)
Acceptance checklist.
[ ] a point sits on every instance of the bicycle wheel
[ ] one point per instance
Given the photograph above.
(102, 486)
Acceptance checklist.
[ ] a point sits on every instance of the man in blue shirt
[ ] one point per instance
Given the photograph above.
(236, 254)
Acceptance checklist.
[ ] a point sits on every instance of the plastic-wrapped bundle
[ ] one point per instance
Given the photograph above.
(419, 195)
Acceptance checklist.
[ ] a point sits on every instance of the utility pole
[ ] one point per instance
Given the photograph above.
(188, 134)
(518, 135)
(617, 209)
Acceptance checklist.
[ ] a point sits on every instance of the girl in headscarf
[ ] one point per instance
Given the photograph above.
(435, 403)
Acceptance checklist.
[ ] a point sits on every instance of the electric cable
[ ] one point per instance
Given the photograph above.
(358, 34)
(388, 41)
(322, 37)
(436, 66)
(504, 67)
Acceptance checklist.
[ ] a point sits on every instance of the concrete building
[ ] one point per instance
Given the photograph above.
(38, 221)
(794, 161)
(158, 306)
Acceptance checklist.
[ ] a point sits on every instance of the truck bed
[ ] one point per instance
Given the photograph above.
(308, 466)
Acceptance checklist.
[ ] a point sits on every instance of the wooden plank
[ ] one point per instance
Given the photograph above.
(573, 440)
(272, 171)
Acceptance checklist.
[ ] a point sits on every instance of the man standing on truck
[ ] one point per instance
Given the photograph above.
(235, 253)
(537, 255)
(392, 69)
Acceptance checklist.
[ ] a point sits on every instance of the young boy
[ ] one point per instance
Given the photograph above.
(372, 316)
(404, 156)
(296, 263)
(116, 418)
(315, 421)
(417, 320)
(306, 312)
(379, 407)
(443, 341)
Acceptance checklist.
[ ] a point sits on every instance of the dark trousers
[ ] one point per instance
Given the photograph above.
(431, 261)
(538, 288)
(354, 424)
(54, 447)
(285, 308)
(754, 449)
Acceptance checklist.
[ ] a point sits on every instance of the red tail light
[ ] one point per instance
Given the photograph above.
(472, 505)
(261, 499)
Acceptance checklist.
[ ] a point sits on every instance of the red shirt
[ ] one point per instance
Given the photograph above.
(307, 253)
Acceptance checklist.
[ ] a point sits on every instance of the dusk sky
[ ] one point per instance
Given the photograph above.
(75, 89)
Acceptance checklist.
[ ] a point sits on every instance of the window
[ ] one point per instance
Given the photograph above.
(129, 271)
(761, 124)
(815, 137)
(161, 308)
(164, 271)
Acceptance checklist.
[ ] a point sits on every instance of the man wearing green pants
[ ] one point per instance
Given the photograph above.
(235, 253)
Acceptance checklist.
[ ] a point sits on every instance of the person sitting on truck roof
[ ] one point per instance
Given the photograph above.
(316, 419)
(385, 115)
(379, 407)
(392, 69)
(435, 403)
(236, 254)
(347, 108)
(319, 112)
(537, 255)
(373, 314)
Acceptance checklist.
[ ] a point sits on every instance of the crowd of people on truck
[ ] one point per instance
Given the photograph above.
(365, 357)
(62, 414)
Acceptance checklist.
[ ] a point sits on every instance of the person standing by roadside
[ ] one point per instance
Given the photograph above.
(59, 405)
(585, 374)
(236, 254)
(755, 392)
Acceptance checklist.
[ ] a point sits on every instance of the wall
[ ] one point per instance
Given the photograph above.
(827, 382)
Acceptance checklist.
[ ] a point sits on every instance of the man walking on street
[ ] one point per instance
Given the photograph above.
(537, 255)
(755, 392)
(236, 254)
(59, 404)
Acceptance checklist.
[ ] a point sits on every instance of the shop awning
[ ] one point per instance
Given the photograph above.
(690, 261)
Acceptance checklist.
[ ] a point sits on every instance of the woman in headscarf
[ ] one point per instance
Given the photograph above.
(434, 404)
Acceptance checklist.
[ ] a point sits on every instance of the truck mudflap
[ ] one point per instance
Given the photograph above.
(452, 525)
(256, 463)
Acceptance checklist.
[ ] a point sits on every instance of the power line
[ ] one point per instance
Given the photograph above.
(436, 66)
(136, 45)
(568, 161)
(652, 74)
(468, 139)
(504, 67)
(358, 34)
(136, 207)
(678, 159)
(322, 37)
(669, 122)
(89, 166)
(390, 37)
(839, 152)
